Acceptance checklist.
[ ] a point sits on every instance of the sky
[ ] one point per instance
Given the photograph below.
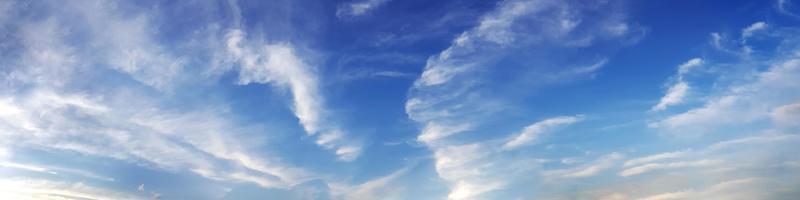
(400, 99)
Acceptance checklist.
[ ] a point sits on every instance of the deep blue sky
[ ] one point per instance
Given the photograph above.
(390, 99)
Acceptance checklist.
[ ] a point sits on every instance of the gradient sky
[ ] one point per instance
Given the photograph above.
(400, 99)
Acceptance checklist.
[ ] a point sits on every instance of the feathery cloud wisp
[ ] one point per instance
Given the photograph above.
(752, 29)
(678, 91)
(531, 132)
(355, 9)
(279, 64)
(450, 99)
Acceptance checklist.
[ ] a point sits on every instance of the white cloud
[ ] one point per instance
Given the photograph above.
(724, 43)
(378, 188)
(785, 7)
(675, 95)
(359, 8)
(451, 161)
(279, 64)
(126, 43)
(532, 132)
(142, 136)
(589, 169)
(493, 29)
(752, 29)
(656, 157)
(392, 74)
(474, 169)
(468, 190)
(46, 59)
(30, 189)
(348, 152)
(679, 90)
(688, 65)
(717, 41)
(741, 103)
(738, 47)
(569, 161)
(591, 68)
(729, 169)
(753, 141)
(434, 131)
(660, 166)
(55, 170)
(706, 115)
(155, 195)
(669, 195)
(730, 189)
(787, 115)
(496, 27)
(439, 75)
(25, 167)
(740, 168)
(454, 94)
(373, 74)
(100, 84)
(614, 196)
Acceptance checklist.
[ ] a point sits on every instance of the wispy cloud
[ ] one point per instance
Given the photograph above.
(81, 173)
(740, 47)
(374, 74)
(358, 8)
(657, 166)
(753, 97)
(434, 131)
(730, 169)
(589, 169)
(279, 64)
(731, 189)
(26, 167)
(127, 43)
(656, 157)
(680, 89)
(532, 132)
(378, 188)
(121, 117)
(731, 105)
(452, 97)
(752, 29)
(787, 115)
(786, 7)
(753, 141)
(119, 134)
(38, 189)
(669, 195)
(469, 168)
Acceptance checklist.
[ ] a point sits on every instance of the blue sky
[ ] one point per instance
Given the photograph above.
(390, 99)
